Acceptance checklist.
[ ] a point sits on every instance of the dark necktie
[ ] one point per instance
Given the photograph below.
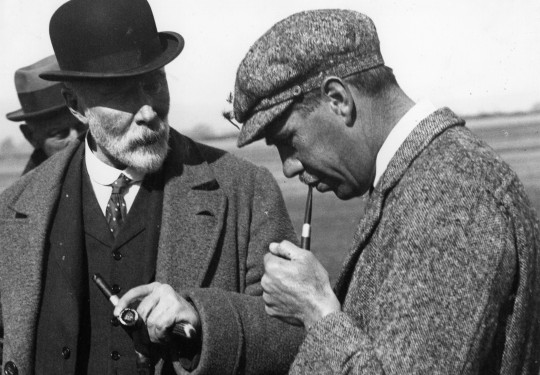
(116, 211)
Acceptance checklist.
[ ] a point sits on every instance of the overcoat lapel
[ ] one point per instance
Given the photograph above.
(66, 233)
(22, 259)
(194, 208)
(414, 145)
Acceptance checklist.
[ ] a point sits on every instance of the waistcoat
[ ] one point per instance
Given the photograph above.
(77, 333)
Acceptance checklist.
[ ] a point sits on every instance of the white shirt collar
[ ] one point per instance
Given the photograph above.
(104, 174)
(398, 134)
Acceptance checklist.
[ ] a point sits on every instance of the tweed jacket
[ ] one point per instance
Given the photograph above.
(443, 273)
(219, 215)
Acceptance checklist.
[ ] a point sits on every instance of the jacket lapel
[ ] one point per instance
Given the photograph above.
(66, 239)
(192, 219)
(22, 258)
(422, 135)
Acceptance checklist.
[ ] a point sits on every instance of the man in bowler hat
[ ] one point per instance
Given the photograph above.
(49, 126)
(177, 229)
(443, 272)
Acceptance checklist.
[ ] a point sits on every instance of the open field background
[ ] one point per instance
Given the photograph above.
(515, 138)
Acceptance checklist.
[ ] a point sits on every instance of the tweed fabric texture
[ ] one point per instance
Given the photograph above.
(443, 273)
(219, 215)
(293, 57)
(38, 156)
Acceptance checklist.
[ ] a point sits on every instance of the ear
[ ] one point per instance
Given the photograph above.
(339, 96)
(73, 104)
(29, 135)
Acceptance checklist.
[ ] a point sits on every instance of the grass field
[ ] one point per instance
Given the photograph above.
(516, 139)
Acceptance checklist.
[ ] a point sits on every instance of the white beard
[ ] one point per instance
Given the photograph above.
(140, 147)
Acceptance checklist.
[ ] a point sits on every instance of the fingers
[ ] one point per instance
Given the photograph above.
(161, 320)
(134, 294)
(285, 250)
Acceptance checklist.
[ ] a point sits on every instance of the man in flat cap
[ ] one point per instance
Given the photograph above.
(177, 229)
(49, 126)
(443, 273)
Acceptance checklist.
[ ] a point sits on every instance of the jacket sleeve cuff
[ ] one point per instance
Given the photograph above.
(219, 323)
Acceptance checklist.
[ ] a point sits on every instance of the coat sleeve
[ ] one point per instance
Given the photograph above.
(436, 308)
(238, 336)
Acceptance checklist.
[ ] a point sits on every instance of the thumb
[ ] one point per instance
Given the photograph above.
(284, 249)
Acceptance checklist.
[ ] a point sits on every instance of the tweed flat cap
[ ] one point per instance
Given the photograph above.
(293, 57)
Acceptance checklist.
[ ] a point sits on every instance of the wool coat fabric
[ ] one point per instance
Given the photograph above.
(443, 273)
(219, 215)
(38, 156)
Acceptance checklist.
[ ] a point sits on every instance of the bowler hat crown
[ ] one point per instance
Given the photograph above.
(38, 98)
(293, 57)
(95, 39)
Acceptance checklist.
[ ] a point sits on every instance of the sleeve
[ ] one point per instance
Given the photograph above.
(237, 334)
(437, 306)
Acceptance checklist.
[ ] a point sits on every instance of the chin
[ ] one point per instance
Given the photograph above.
(147, 161)
(345, 193)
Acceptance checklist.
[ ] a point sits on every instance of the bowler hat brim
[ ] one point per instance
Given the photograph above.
(172, 42)
(20, 115)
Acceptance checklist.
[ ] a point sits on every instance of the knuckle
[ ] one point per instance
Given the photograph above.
(269, 311)
(167, 289)
(265, 282)
(151, 322)
(269, 266)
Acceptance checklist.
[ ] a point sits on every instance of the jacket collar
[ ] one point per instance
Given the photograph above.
(38, 198)
(194, 207)
(427, 130)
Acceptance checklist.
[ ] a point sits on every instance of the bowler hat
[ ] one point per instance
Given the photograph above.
(38, 98)
(294, 57)
(96, 39)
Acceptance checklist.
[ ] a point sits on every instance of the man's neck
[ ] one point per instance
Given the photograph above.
(386, 111)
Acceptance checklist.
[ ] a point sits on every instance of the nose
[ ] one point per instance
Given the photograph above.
(291, 165)
(146, 116)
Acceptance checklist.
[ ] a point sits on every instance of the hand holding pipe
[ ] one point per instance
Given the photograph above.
(129, 317)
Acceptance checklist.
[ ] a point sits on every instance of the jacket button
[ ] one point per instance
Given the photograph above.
(10, 369)
(116, 289)
(115, 356)
(66, 352)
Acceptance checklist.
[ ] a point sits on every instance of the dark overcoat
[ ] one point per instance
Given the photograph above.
(443, 273)
(219, 215)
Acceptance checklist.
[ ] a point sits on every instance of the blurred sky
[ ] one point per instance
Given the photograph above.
(472, 55)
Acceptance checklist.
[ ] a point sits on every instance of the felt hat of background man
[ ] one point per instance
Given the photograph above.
(294, 57)
(102, 39)
(38, 98)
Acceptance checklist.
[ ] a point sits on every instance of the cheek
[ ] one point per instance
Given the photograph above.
(161, 105)
(53, 145)
(108, 121)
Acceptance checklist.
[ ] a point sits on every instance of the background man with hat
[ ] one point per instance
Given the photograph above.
(179, 226)
(49, 125)
(443, 273)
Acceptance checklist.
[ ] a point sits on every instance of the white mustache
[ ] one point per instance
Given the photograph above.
(147, 136)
